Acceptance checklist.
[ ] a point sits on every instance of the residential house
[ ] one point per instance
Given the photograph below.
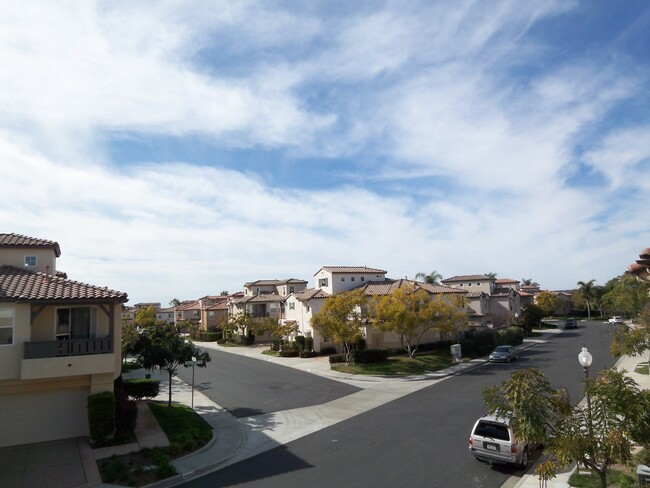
(165, 315)
(300, 307)
(59, 342)
(188, 310)
(503, 296)
(641, 268)
(214, 309)
(265, 298)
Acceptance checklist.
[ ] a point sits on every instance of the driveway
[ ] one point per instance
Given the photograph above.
(67, 463)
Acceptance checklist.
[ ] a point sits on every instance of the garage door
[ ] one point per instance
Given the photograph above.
(43, 416)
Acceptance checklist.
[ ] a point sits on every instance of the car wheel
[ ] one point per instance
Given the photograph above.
(524, 459)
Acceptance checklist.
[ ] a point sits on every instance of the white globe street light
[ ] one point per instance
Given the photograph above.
(585, 359)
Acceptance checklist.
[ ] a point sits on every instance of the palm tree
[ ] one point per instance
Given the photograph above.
(432, 278)
(587, 290)
(526, 281)
(492, 275)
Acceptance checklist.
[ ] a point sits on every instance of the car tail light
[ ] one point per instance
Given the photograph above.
(470, 442)
(513, 449)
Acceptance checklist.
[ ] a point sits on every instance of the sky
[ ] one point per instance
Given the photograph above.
(179, 149)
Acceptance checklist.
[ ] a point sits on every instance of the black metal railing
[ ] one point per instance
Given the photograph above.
(68, 347)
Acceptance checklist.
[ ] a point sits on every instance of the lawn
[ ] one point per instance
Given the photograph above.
(400, 365)
(641, 368)
(615, 478)
(186, 431)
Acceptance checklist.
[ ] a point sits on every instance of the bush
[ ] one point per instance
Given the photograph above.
(360, 344)
(289, 353)
(309, 343)
(337, 358)
(275, 346)
(328, 350)
(367, 356)
(101, 416)
(307, 354)
(478, 343)
(141, 388)
(512, 336)
(211, 336)
(301, 342)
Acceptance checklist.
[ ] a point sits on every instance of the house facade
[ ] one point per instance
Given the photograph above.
(265, 298)
(335, 279)
(60, 341)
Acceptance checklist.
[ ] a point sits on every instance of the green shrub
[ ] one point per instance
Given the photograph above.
(360, 344)
(309, 343)
(142, 388)
(165, 470)
(512, 336)
(126, 413)
(211, 336)
(478, 343)
(328, 350)
(337, 358)
(275, 345)
(101, 416)
(307, 354)
(367, 356)
(301, 342)
(114, 470)
(289, 353)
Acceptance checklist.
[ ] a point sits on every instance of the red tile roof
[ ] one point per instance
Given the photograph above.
(474, 277)
(17, 284)
(352, 269)
(17, 240)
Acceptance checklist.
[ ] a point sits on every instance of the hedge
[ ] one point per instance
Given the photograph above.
(289, 353)
(141, 388)
(337, 358)
(367, 356)
(101, 416)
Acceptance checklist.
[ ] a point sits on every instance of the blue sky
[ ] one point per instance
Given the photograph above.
(177, 149)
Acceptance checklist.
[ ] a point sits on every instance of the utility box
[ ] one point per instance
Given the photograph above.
(643, 476)
(455, 352)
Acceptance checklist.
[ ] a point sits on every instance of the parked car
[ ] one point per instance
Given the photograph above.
(503, 354)
(571, 323)
(493, 441)
(616, 319)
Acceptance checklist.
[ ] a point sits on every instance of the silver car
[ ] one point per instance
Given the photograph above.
(493, 441)
(503, 354)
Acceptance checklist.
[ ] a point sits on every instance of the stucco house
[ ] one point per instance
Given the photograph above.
(265, 298)
(641, 268)
(59, 342)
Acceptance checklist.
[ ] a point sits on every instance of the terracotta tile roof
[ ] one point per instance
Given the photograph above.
(288, 281)
(506, 280)
(352, 269)
(467, 278)
(20, 284)
(312, 293)
(388, 286)
(17, 240)
(501, 292)
(218, 306)
(188, 305)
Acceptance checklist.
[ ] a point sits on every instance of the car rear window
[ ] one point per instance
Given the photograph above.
(495, 431)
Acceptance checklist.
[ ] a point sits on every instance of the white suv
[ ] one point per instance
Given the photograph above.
(492, 440)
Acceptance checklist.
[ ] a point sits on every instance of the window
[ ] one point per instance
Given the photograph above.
(352, 279)
(322, 282)
(478, 284)
(469, 284)
(461, 285)
(76, 323)
(6, 326)
(307, 308)
(292, 288)
(211, 315)
(196, 313)
(342, 278)
(292, 305)
(30, 261)
(363, 278)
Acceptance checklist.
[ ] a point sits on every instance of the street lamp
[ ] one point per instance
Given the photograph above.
(585, 359)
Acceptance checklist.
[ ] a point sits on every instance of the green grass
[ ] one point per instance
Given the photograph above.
(185, 429)
(268, 352)
(130, 366)
(400, 365)
(230, 344)
(614, 478)
(641, 368)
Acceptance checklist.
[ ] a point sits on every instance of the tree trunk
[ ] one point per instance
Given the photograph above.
(169, 402)
(603, 479)
(588, 310)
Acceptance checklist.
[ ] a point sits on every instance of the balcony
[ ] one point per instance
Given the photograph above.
(68, 347)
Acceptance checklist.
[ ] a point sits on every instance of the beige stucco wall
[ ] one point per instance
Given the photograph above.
(16, 257)
(12, 354)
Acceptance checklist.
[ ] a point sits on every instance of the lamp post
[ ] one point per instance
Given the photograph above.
(193, 363)
(585, 359)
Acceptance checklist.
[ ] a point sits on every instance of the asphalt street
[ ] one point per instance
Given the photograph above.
(418, 440)
(247, 387)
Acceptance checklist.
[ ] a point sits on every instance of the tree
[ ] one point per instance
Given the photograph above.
(587, 293)
(529, 282)
(406, 313)
(632, 340)
(174, 302)
(547, 301)
(492, 275)
(224, 293)
(340, 319)
(241, 324)
(164, 348)
(531, 316)
(130, 338)
(267, 326)
(626, 295)
(146, 317)
(432, 278)
(598, 437)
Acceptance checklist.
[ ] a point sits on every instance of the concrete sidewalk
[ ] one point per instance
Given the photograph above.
(236, 439)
